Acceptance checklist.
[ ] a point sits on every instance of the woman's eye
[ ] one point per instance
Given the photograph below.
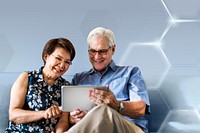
(68, 62)
(57, 58)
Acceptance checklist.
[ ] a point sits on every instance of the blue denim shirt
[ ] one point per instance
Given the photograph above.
(126, 82)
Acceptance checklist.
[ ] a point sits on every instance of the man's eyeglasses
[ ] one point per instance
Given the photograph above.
(93, 52)
(59, 59)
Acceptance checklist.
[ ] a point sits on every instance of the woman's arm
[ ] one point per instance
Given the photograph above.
(17, 100)
(63, 124)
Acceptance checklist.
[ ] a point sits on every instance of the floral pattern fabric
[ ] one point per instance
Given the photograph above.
(40, 96)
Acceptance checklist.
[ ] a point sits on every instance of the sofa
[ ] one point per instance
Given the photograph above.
(158, 108)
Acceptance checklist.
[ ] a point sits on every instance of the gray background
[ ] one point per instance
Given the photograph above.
(159, 36)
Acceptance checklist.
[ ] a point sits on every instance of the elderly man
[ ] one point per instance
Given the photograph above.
(122, 108)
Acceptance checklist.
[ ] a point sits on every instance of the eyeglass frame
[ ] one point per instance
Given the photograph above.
(100, 52)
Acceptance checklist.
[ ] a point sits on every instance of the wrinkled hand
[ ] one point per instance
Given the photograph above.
(52, 112)
(100, 97)
(76, 116)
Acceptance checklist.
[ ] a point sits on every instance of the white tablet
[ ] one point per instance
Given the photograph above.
(77, 97)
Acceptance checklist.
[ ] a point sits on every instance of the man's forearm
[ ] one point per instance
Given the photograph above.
(134, 109)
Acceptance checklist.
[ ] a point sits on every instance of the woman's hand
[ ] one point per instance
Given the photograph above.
(52, 112)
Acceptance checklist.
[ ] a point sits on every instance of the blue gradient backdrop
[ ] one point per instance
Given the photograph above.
(159, 36)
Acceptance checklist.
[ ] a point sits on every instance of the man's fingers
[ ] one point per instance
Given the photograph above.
(75, 112)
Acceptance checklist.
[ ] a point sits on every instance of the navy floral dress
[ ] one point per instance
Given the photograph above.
(40, 96)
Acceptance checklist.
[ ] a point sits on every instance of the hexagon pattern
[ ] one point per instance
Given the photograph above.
(159, 36)
(159, 110)
(187, 46)
(154, 63)
(6, 53)
(185, 121)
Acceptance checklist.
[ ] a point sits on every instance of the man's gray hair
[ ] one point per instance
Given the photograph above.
(104, 33)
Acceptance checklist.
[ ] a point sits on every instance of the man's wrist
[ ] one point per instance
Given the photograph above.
(121, 107)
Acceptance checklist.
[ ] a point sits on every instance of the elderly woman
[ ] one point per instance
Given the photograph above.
(36, 95)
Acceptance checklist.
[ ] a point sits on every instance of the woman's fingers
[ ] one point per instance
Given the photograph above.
(52, 112)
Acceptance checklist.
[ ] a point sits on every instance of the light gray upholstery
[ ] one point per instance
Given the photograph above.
(159, 110)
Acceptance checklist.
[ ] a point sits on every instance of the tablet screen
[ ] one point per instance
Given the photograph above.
(77, 97)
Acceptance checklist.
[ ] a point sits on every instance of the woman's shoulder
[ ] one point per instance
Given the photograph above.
(23, 75)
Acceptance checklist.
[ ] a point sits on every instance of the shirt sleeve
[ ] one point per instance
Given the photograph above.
(137, 88)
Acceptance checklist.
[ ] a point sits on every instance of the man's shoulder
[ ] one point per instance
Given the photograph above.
(83, 73)
(81, 78)
(129, 68)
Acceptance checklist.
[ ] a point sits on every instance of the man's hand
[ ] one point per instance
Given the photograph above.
(107, 97)
(76, 116)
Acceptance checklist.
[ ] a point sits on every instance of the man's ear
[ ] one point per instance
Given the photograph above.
(113, 49)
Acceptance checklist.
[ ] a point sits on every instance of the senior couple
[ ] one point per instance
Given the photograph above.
(35, 97)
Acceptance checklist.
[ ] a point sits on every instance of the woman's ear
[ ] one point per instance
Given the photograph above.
(45, 57)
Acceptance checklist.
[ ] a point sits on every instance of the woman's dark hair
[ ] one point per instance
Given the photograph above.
(52, 44)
